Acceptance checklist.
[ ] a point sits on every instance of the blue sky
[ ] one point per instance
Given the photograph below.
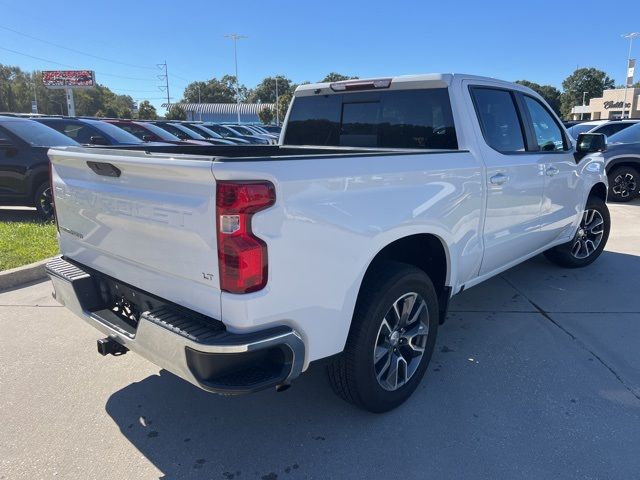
(541, 41)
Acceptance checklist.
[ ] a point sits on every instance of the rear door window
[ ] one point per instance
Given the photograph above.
(499, 119)
(391, 119)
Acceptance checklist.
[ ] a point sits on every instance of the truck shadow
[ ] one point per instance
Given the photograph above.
(497, 357)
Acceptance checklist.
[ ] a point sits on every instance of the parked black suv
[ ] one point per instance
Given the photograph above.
(24, 165)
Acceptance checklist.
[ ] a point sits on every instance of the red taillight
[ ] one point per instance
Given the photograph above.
(53, 200)
(242, 257)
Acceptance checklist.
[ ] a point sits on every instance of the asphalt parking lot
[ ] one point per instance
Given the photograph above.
(536, 375)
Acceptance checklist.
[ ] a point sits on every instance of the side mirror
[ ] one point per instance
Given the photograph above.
(591, 143)
(98, 140)
(147, 138)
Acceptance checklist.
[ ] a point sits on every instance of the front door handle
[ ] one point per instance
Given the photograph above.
(499, 179)
(551, 171)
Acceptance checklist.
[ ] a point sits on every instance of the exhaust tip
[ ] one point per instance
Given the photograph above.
(282, 387)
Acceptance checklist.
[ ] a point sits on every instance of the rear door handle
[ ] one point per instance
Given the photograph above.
(499, 179)
(551, 171)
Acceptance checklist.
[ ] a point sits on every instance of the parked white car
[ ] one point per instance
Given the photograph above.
(237, 268)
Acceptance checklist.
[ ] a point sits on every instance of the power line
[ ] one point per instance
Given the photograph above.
(73, 66)
(75, 50)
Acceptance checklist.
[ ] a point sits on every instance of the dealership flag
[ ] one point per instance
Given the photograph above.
(630, 69)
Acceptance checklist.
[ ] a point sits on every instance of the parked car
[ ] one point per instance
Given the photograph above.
(148, 132)
(231, 134)
(612, 127)
(210, 134)
(246, 131)
(273, 129)
(24, 165)
(584, 127)
(89, 131)
(622, 159)
(345, 242)
(184, 133)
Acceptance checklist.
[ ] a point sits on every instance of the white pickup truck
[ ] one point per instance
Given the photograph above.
(236, 267)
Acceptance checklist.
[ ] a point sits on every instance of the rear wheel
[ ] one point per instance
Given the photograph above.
(43, 201)
(391, 341)
(589, 240)
(624, 184)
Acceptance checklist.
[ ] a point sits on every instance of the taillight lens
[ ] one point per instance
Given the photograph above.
(242, 257)
(53, 199)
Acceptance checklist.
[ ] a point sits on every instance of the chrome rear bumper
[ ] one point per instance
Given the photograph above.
(192, 346)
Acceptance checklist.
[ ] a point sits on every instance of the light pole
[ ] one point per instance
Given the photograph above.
(277, 109)
(582, 113)
(630, 36)
(235, 37)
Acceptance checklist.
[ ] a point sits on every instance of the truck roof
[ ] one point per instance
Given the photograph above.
(424, 80)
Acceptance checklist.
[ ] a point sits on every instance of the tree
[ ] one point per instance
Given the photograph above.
(283, 105)
(549, 93)
(147, 111)
(214, 91)
(266, 115)
(175, 112)
(265, 92)
(336, 77)
(589, 80)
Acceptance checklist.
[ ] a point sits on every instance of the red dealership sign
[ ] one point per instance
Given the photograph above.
(68, 78)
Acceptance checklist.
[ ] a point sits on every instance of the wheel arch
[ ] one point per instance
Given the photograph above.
(632, 162)
(599, 190)
(38, 177)
(426, 251)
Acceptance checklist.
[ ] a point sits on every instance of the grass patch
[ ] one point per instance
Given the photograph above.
(24, 242)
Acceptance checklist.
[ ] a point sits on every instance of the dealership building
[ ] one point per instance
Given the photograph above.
(223, 112)
(609, 106)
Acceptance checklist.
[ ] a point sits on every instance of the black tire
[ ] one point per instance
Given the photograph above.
(624, 184)
(570, 254)
(43, 201)
(353, 373)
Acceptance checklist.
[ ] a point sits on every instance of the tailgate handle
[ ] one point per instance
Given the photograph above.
(104, 169)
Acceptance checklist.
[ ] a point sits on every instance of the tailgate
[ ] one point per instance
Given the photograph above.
(145, 219)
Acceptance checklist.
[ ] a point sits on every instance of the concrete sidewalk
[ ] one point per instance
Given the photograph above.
(536, 375)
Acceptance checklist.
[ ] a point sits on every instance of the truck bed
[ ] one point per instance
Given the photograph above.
(239, 153)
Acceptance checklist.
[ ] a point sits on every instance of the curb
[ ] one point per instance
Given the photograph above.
(21, 275)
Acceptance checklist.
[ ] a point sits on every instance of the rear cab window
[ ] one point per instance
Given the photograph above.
(413, 119)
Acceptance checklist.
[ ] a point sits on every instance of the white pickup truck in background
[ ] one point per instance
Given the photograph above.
(235, 267)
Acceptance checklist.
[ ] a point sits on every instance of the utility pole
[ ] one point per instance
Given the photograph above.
(235, 37)
(582, 113)
(277, 109)
(630, 36)
(165, 77)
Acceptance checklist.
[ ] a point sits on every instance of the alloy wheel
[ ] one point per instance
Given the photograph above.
(401, 341)
(624, 184)
(589, 235)
(45, 202)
